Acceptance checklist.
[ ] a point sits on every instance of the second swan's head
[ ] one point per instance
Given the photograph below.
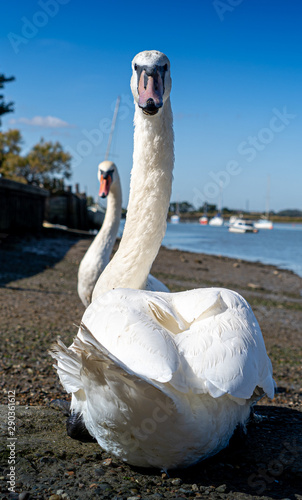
(107, 175)
(151, 80)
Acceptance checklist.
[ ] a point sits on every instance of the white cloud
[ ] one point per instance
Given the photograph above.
(42, 121)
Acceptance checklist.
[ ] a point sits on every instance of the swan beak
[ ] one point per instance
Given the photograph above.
(150, 90)
(105, 184)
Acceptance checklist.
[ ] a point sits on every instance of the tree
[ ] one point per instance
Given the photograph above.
(181, 207)
(10, 148)
(207, 207)
(46, 165)
(5, 107)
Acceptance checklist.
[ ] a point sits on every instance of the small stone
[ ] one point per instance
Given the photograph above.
(236, 264)
(60, 492)
(253, 286)
(222, 488)
(107, 462)
(55, 497)
(164, 475)
(133, 498)
(99, 472)
(71, 467)
(195, 487)
(24, 495)
(104, 486)
(176, 482)
(69, 473)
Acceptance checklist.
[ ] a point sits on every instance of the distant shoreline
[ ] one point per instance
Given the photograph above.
(194, 217)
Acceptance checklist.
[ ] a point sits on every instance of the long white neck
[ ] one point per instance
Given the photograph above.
(98, 254)
(150, 190)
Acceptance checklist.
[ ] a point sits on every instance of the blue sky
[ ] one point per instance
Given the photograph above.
(236, 96)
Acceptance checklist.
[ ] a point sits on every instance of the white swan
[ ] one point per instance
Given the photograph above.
(98, 254)
(160, 379)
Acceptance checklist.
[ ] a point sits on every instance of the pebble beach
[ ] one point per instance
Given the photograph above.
(39, 302)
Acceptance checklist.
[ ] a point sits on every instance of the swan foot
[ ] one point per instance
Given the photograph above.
(239, 438)
(76, 428)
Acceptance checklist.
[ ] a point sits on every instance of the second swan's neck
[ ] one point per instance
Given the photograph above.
(150, 190)
(98, 254)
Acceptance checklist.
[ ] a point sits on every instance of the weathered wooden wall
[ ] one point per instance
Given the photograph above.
(67, 209)
(21, 206)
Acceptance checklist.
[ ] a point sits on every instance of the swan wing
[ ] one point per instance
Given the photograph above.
(223, 348)
(123, 321)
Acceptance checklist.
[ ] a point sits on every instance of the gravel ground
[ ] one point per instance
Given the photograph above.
(39, 302)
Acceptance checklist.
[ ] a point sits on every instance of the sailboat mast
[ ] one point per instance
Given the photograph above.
(268, 196)
(112, 126)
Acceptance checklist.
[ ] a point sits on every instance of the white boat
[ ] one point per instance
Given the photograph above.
(203, 220)
(242, 226)
(216, 221)
(174, 219)
(263, 224)
(234, 219)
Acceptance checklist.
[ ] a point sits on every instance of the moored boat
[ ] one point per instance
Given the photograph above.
(217, 220)
(203, 220)
(263, 224)
(242, 226)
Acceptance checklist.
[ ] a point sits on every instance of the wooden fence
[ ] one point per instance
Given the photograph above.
(24, 207)
(21, 206)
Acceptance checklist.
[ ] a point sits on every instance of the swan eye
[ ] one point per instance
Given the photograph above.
(135, 67)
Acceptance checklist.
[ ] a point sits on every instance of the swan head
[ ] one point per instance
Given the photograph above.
(107, 175)
(151, 81)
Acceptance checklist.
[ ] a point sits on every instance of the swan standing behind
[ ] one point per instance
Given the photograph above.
(160, 379)
(98, 254)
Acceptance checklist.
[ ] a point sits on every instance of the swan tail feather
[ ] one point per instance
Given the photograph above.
(68, 366)
(87, 363)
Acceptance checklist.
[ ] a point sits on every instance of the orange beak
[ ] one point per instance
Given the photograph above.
(105, 184)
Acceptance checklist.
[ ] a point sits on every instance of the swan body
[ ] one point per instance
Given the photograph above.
(158, 379)
(98, 254)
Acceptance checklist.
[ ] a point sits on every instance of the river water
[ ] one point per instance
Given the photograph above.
(281, 246)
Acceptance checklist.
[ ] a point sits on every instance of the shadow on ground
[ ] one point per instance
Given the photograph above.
(265, 463)
(22, 256)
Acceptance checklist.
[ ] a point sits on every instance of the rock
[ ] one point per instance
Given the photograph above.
(222, 488)
(195, 487)
(176, 481)
(105, 487)
(25, 495)
(107, 462)
(253, 286)
(99, 471)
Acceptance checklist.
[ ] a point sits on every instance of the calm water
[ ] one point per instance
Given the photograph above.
(281, 246)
